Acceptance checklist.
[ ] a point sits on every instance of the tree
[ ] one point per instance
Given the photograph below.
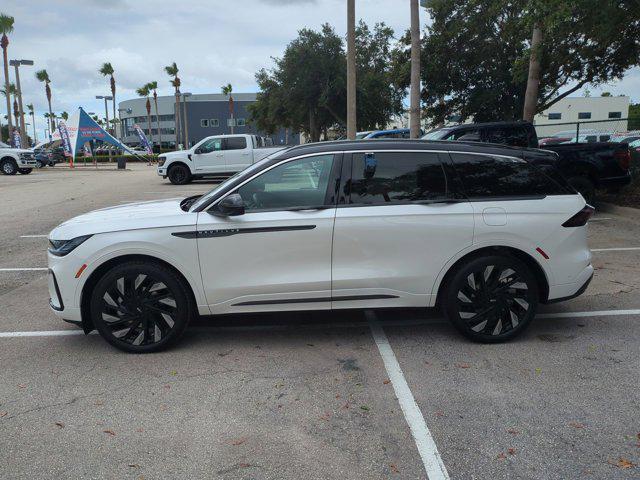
(172, 71)
(107, 69)
(227, 90)
(634, 117)
(6, 27)
(43, 76)
(65, 116)
(144, 91)
(153, 86)
(306, 90)
(32, 113)
(479, 52)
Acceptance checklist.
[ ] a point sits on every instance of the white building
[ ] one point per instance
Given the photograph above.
(599, 114)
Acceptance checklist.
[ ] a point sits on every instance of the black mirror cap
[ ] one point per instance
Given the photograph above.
(230, 206)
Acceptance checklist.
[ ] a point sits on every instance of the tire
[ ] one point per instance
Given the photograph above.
(479, 304)
(25, 171)
(9, 166)
(585, 186)
(39, 164)
(179, 174)
(141, 307)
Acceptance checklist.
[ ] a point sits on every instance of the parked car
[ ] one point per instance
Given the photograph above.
(393, 133)
(219, 155)
(476, 229)
(587, 166)
(16, 160)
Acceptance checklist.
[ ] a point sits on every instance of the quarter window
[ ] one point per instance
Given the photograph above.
(485, 177)
(384, 178)
(296, 184)
(235, 143)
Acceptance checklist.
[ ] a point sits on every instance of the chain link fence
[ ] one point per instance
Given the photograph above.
(589, 131)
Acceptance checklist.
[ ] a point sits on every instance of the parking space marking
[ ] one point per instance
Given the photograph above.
(34, 236)
(598, 219)
(596, 313)
(620, 249)
(42, 333)
(422, 436)
(25, 269)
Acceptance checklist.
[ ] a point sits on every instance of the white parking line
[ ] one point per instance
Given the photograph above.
(42, 333)
(597, 313)
(621, 249)
(422, 436)
(25, 269)
(34, 236)
(597, 219)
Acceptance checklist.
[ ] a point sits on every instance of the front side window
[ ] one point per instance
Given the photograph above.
(296, 184)
(385, 178)
(212, 145)
(471, 134)
(236, 143)
(486, 176)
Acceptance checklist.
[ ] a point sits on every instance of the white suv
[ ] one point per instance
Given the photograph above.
(485, 232)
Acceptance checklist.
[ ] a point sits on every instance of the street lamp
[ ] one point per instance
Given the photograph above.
(16, 64)
(186, 124)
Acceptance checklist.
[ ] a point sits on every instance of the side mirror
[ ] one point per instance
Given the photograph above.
(230, 206)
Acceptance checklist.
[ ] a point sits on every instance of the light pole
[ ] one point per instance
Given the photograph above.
(16, 64)
(186, 125)
(351, 69)
(106, 111)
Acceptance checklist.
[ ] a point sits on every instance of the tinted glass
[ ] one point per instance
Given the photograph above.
(295, 184)
(516, 136)
(485, 177)
(235, 143)
(471, 134)
(385, 178)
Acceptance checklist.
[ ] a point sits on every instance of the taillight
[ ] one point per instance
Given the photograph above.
(581, 218)
(624, 159)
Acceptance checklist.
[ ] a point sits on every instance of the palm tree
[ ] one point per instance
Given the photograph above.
(105, 70)
(172, 71)
(6, 27)
(11, 94)
(226, 90)
(65, 116)
(33, 121)
(154, 86)
(144, 91)
(414, 94)
(43, 76)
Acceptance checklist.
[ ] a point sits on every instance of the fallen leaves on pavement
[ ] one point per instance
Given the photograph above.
(622, 463)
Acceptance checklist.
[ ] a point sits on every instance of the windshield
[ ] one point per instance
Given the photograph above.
(247, 171)
(361, 135)
(437, 134)
(627, 139)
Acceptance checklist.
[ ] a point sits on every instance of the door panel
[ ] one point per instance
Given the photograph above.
(237, 153)
(211, 158)
(399, 222)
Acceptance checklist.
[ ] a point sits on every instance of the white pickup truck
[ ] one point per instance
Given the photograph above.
(220, 155)
(16, 160)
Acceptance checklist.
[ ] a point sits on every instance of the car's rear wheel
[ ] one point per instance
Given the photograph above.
(491, 299)
(141, 307)
(179, 174)
(9, 166)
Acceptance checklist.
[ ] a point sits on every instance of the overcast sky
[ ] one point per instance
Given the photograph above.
(214, 42)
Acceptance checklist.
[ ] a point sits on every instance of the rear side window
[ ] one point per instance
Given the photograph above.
(485, 176)
(384, 178)
(516, 136)
(236, 143)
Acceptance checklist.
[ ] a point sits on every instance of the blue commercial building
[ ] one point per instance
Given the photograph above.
(207, 114)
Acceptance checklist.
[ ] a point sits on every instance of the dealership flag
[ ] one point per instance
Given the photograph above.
(17, 143)
(66, 141)
(144, 142)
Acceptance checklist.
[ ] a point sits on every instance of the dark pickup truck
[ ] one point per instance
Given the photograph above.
(587, 166)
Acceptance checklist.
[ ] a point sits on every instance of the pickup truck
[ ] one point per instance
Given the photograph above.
(218, 156)
(16, 160)
(586, 166)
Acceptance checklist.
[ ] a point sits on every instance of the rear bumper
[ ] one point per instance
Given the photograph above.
(615, 182)
(567, 291)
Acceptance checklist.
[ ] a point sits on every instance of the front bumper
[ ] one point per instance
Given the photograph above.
(162, 171)
(62, 287)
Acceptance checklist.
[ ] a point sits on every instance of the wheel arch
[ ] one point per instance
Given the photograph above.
(528, 260)
(10, 158)
(97, 274)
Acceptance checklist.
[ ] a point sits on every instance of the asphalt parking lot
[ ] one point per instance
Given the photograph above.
(344, 395)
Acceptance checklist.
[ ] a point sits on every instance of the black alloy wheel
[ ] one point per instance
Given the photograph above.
(179, 174)
(140, 307)
(491, 299)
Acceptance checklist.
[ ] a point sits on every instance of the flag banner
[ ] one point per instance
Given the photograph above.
(64, 137)
(17, 142)
(87, 150)
(143, 139)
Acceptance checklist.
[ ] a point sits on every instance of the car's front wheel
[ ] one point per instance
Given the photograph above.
(179, 174)
(141, 307)
(9, 166)
(491, 299)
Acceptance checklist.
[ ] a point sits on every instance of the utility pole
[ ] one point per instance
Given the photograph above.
(533, 81)
(186, 124)
(414, 96)
(351, 69)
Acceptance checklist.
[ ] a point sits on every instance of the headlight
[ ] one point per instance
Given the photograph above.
(60, 248)
(161, 161)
